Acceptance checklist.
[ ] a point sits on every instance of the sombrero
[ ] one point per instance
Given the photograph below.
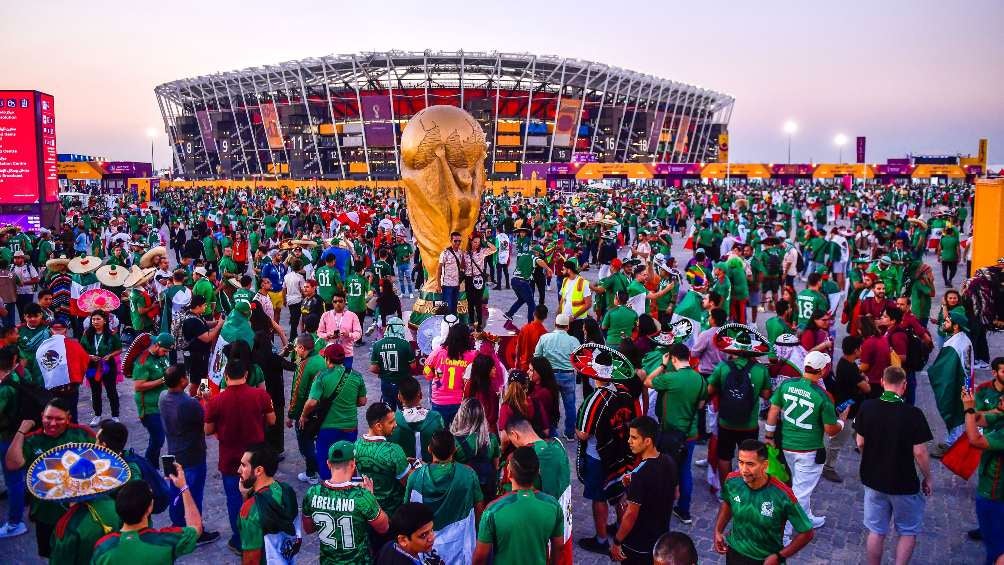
(601, 363)
(138, 276)
(73, 472)
(738, 339)
(682, 330)
(787, 340)
(520, 225)
(148, 258)
(112, 275)
(57, 264)
(609, 234)
(304, 242)
(98, 299)
(84, 265)
(138, 345)
(921, 223)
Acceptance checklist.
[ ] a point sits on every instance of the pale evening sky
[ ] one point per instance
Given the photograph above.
(912, 75)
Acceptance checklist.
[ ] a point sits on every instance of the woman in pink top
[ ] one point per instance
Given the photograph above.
(340, 325)
(446, 367)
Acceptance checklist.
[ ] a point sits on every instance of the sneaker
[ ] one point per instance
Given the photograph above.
(510, 326)
(115, 418)
(234, 549)
(975, 535)
(8, 530)
(818, 522)
(981, 365)
(507, 316)
(569, 437)
(593, 545)
(411, 295)
(94, 421)
(683, 516)
(371, 329)
(312, 479)
(832, 475)
(207, 537)
(701, 462)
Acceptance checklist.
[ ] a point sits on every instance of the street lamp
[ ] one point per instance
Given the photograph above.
(152, 134)
(840, 140)
(790, 127)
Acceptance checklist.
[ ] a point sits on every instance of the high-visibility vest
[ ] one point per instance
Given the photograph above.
(578, 298)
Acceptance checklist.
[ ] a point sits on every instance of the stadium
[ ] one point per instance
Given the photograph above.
(341, 116)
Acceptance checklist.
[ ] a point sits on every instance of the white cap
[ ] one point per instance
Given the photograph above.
(200, 271)
(562, 320)
(816, 360)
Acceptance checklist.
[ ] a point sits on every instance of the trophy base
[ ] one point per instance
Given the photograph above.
(429, 304)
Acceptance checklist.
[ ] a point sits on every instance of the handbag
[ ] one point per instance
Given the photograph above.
(312, 425)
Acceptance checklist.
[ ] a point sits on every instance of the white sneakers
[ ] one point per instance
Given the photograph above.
(94, 421)
(8, 530)
(312, 479)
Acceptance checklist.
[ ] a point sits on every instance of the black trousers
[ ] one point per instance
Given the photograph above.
(475, 300)
(948, 270)
(294, 320)
(43, 537)
(500, 271)
(108, 384)
(733, 557)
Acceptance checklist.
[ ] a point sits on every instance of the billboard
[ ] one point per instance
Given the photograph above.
(270, 120)
(653, 137)
(376, 117)
(682, 135)
(565, 121)
(860, 149)
(50, 159)
(723, 147)
(206, 129)
(19, 148)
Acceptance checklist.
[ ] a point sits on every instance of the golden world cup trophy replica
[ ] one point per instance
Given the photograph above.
(443, 167)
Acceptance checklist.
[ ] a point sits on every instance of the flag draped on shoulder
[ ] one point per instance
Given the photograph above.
(690, 309)
(948, 374)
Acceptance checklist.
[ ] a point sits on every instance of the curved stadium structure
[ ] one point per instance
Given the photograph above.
(341, 116)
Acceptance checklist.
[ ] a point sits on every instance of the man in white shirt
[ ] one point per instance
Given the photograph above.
(504, 246)
(790, 263)
(26, 276)
(293, 284)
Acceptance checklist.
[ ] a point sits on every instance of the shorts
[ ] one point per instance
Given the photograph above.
(839, 268)
(754, 299)
(905, 510)
(593, 479)
(277, 300)
(770, 285)
(729, 440)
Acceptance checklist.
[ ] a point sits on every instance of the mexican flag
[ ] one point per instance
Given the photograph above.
(61, 361)
(952, 370)
(689, 308)
(235, 327)
(450, 500)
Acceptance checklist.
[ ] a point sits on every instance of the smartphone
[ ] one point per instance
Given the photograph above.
(167, 462)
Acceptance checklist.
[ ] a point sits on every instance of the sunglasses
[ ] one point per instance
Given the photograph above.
(337, 300)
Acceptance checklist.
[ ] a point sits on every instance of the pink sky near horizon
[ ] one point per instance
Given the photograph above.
(912, 76)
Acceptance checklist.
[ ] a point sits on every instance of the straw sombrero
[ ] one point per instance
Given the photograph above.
(84, 265)
(138, 276)
(742, 340)
(112, 275)
(148, 258)
(73, 472)
(57, 264)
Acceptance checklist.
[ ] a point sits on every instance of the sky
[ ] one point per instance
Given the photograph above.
(913, 76)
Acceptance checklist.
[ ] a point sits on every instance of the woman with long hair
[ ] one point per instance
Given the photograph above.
(102, 345)
(477, 445)
(544, 387)
(446, 367)
(480, 386)
(476, 278)
(951, 299)
(516, 401)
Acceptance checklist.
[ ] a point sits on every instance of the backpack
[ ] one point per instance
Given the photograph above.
(151, 476)
(737, 397)
(917, 353)
(774, 263)
(177, 329)
(30, 401)
(481, 464)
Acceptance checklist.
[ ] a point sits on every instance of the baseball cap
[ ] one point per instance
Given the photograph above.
(19, 253)
(243, 308)
(200, 271)
(562, 320)
(164, 339)
(342, 451)
(616, 263)
(334, 353)
(816, 360)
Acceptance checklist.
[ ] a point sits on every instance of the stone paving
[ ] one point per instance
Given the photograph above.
(949, 513)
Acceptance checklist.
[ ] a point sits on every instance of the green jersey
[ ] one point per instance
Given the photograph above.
(280, 511)
(385, 463)
(356, 288)
(777, 327)
(680, 391)
(149, 367)
(805, 410)
(990, 484)
(209, 249)
(619, 323)
(920, 300)
(759, 376)
(555, 474)
(342, 513)
(949, 248)
(613, 284)
(303, 378)
(414, 436)
(245, 295)
(394, 357)
(342, 414)
(145, 546)
(525, 259)
(35, 444)
(759, 515)
(205, 289)
(81, 527)
(402, 253)
(736, 273)
(808, 302)
(328, 280)
(140, 322)
(519, 526)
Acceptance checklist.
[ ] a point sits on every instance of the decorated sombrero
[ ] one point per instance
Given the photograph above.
(696, 275)
(98, 299)
(787, 340)
(862, 258)
(150, 257)
(73, 472)
(84, 265)
(601, 363)
(57, 264)
(139, 344)
(682, 330)
(738, 339)
(112, 275)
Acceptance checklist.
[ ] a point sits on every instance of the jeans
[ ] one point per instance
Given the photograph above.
(388, 393)
(15, 488)
(294, 320)
(948, 270)
(404, 278)
(195, 477)
(566, 386)
(306, 447)
(231, 488)
(155, 427)
(686, 479)
(500, 270)
(348, 363)
(990, 515)
(805, 473)
(325, 439)
(447, 411)
(911, 388)
(524, 295)
(451, 294)
(107, 383)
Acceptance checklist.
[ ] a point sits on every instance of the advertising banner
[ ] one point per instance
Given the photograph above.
(27, 222)
(376, 115)
(206, 129)
(723, 147)
(675, 168)
(861, 149)
(270, 119)
(50, 159)
(19, 159)
(981, 153)
(800, 169)
(682, 136)
(564, 121)
(653, 136)
(132, 169)
(586, 157)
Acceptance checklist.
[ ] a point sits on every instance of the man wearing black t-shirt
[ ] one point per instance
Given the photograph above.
(651, 490)
(847, 385)
(892, 435)
(199, 336)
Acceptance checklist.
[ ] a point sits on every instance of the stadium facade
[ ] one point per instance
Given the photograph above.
(341, 116)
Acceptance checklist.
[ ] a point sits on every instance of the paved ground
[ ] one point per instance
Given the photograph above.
(948, 516)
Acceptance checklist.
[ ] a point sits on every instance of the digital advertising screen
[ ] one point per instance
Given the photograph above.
(19, 159)
(46, 127)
